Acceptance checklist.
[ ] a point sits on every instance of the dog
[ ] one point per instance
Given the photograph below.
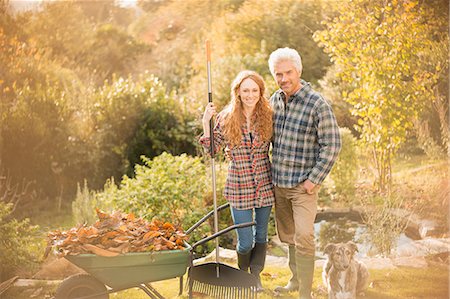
(343, 276)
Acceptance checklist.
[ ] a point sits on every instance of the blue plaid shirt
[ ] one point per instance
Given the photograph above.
(306, 140)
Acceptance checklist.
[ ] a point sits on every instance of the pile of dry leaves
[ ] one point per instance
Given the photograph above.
(117, 233)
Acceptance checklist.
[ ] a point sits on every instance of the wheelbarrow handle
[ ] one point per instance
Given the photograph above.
(224, 231)
(198, 223)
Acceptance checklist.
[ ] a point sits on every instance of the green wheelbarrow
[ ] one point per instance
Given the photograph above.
(106, 275)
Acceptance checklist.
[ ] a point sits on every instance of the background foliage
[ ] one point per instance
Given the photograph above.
(381, 49)
(88, 87)
(16, 246)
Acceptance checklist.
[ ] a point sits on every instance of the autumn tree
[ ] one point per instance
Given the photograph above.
(380, 48)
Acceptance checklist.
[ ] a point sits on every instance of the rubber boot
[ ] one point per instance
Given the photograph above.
(292, 285)
(305, 273)
(257, 262)
(243, 260)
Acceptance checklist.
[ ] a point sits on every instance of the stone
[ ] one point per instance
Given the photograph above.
(423, 247)
(378, 263)
(411, 261)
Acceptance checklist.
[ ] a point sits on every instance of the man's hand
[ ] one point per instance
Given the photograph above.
(309, 186)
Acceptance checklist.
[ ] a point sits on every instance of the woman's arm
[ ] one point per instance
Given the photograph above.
(219, 139)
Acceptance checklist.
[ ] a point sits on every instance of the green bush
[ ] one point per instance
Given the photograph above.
(384, 225)
(170, 188)
(83, 207)
(16, 243)
(345, 171)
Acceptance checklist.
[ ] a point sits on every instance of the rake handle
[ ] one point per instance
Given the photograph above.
(211, 138)
(224, 231)
(198, 223)
(211, 123)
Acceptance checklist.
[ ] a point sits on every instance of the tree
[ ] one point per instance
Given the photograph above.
(434, 119)
(244, 37)
(92, 47)
(379, 48)
(128, 118)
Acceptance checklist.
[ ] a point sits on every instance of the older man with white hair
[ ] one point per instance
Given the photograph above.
(306, 143)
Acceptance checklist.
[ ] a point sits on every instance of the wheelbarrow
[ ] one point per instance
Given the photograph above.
(106, 275)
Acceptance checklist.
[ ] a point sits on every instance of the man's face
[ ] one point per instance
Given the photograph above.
(287, 77)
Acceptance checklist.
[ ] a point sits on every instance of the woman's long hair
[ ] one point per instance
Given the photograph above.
(234, 118)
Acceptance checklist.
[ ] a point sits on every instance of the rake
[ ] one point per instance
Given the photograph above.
(215, 279)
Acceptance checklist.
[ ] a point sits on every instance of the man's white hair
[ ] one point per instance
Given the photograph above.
(283, 54)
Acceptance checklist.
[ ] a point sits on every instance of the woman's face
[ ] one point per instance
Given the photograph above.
(249, 93)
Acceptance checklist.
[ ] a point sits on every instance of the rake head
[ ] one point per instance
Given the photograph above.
(231, 283)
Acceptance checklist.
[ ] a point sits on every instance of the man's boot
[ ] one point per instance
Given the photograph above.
(257, 262)
(243, 260)
(292, 285)
(305, 273)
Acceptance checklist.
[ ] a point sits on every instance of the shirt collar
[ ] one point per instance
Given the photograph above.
(306, 87)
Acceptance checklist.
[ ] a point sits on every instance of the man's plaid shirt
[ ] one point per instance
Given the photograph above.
(306, 140)
(249, 181)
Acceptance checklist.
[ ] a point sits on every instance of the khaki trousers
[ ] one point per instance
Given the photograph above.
(295, 212)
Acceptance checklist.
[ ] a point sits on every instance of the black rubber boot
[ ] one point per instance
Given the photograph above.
(243, 260)
(305, 273)
(258, 261)
(292, 285)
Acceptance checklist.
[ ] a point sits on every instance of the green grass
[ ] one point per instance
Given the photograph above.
(397, 283)
(402, 163)
(409, 283)
(385, 284)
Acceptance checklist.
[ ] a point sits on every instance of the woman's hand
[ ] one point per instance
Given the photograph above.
(210, 111)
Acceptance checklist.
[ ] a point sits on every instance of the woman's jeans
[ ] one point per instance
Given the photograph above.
(248, 235)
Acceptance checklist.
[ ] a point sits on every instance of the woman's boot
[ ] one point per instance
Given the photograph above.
(243, 260)
(257, 261)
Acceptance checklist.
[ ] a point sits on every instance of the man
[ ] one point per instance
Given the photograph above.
(306, 143)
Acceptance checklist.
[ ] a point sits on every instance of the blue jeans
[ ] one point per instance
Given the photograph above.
(248, 235)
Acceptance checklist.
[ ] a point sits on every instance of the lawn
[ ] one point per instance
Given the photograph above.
(397, 283)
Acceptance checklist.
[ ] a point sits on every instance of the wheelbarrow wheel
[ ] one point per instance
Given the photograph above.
(80, 285)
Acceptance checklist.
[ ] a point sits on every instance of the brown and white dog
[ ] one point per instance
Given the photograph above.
(344, 276)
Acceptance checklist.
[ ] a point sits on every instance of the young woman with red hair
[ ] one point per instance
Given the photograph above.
(244, 127)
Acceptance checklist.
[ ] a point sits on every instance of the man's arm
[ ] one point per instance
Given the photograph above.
(329, 140)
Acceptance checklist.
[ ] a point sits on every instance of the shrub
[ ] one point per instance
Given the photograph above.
(83, 207)
(170, 188)
(345, 171)
(16, 242)
(383, 225)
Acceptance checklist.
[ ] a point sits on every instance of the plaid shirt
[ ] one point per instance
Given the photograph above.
(249, 182)
(306, 139)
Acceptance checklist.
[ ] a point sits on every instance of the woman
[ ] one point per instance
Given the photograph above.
(244, 127)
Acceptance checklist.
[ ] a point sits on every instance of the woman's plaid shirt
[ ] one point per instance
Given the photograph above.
(306, 140)
(249, 181)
